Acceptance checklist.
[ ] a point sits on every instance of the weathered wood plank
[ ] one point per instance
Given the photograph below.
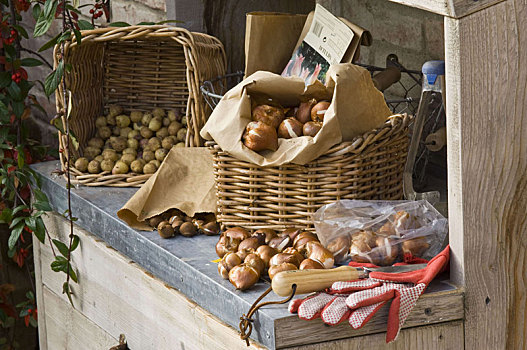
(430, 308)
(437, 337)
(449, 8)
(68, 329)
(120, 297)
(41, 305)
(486, 72)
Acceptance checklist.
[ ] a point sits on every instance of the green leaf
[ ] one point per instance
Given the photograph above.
(30, 62)
(14, 91)
(16, 221)
(39, 195)
(63, 248)
(50, 43)
(84, 25)
(15, 234)
(45, 18)
(54, 78)
(145, 23)
(11, 52)
(119, 24)
(21, 30)
(48, 7)
(170, 21)
(78, 36)
(5, 79)
(75, 242)
(31, 222)
(40, 230)
(36, 11)
(18, 108)
(19, 208)
(66, 290)
(42, 205)
(6, 216)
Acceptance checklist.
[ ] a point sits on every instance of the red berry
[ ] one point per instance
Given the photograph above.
(92, 11)
(13, 77)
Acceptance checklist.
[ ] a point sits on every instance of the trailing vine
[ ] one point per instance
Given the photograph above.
(23, 203)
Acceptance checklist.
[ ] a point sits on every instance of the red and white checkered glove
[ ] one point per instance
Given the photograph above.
(358, 301)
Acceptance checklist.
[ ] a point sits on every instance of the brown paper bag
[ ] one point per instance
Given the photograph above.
(271, 38)
(356, 107)
(184, 181)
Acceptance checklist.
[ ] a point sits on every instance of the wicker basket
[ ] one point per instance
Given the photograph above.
(137, 67)
(369, 167)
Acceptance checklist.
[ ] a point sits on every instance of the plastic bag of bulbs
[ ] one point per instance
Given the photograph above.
(380, 232)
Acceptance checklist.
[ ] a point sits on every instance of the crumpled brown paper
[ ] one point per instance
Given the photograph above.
(184, 181)
(356, 107)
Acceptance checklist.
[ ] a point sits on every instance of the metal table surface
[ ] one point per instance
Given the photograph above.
(183, 263)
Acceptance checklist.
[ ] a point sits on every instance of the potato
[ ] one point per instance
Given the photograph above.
(174, 127)
(154, 143)
(132, 143)
(110, 120)
(114, 110)
(134, 134)
(162, 133)
(81, 164)
(116, 131)
(107, 165)
(182, 134)
(120, 168)
(96, 142)
(130, 151)
(122, 121)
(99, 158)
(167, 143)
(104, 132)
(110, 154)
(147, 117)
(156, 162)
(158, 112)
(128, 158)
(166, 121)
(118, 143)
(155, 124)
(148, 156)
(174, 115)
(137, 126)
(100, 122)
(137, 166)
(125, 132)
(181, 144)
(91, 152)
(160, 154)
(136, 116)
(149, 168)
(184, 120)
(146, 133)
(143, 144)
(94, 167)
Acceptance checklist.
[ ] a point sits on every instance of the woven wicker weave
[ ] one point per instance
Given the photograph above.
(137, 67)
(369, 167)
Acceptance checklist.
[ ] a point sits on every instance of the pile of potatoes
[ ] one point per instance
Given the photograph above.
(136, 142)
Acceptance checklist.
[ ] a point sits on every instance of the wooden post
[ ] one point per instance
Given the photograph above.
(486, 91)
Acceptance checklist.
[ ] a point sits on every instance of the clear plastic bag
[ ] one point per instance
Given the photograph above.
(381, 232)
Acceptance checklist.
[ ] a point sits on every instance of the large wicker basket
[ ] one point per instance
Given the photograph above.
(369, 167)
(137, 67)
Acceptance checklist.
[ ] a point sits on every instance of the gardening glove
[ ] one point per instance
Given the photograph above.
(358, 301)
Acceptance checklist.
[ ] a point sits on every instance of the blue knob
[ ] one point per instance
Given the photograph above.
(432, 69)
